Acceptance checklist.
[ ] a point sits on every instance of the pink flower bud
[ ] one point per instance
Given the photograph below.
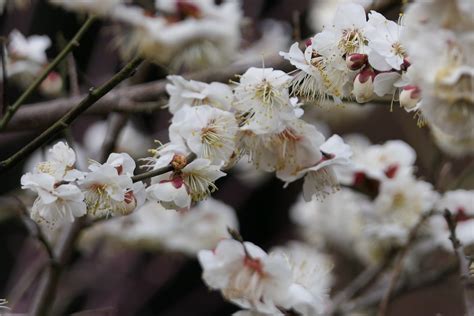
(406, 63)
(52, 84)
(356, 61)
(363, 89)
(308, 42)
(409, 97)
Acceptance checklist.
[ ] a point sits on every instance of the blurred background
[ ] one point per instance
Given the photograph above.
(125, 281)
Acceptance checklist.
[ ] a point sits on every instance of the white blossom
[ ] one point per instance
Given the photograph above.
(190, 92)
(263, 93)
(246, 275)
(55, 204)
(208, 132)
(195, 182)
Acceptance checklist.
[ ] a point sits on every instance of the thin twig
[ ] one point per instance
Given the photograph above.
(69, 117)
(33, 228)
(159, 171)
(464, 263)
(361, 282)
(42, 114)
(398, 265)
(116, 123)
(373, 298)
(4, 75)
(72, 74)
(74, 42)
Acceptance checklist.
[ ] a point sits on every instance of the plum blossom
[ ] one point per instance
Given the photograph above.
(312, 280)
(246, 275)
(108, 187)
(263, 94)
(190, 92)
(208, 132)
(320, 75)
(392, 159)
(177, 189)
(320, 178)
(188, 34)
(60, 161)
(55, 204)
(386, 51)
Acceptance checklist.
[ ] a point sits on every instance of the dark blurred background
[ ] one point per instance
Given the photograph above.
(138, 283)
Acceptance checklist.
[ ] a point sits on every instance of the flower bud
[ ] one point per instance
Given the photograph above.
(363, 89)
(130, 203)
(52, 84)
(308, 42)
(409, 97)
(179, 162)
(406, 63)
(356, 61)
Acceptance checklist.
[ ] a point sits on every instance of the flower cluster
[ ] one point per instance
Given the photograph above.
(178, 33)
(381, 203)
(65, 193)
(294, 277)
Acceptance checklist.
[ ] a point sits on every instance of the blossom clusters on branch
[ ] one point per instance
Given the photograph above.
(380, 204)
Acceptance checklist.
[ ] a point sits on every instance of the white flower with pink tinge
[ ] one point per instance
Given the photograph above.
(60, 163)
(177, 189)
(320, 178)
(246, 275)
(55, 204)
(208, 132)
(109, 189)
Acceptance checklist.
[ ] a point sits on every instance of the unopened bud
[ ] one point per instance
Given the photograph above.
(406, 63)
(130, 203)
(356, 61)
(308, 42)
(363, 89)
(409, 97)
(52, 84)
(179, 162)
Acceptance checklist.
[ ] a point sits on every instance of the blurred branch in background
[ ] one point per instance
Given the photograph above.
(93, 96)
(74, 42)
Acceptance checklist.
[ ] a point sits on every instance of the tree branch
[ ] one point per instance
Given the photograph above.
(26, 94)
(399, 262)
(464, 263)
(159, 171)
(40, 115)
(93, 96)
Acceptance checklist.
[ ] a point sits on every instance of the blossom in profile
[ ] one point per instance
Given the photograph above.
(177, 189)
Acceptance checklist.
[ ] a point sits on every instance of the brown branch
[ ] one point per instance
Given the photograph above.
(116, 123)
(361, 282)
(373, 298)
(3, 61)
(39, 115)
(93, 96)
(464, 264)
(159, 171)
(72, 74)
(399, 262)
(74, 42)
